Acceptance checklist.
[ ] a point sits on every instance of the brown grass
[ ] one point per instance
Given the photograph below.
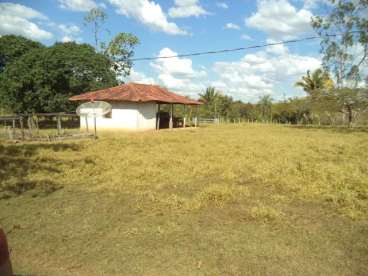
(221, 200)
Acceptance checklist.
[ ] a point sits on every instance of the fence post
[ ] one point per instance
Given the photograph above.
(94, 120)
(29, 123)
(86, 118)
(185, 115)
(58, 124)
(36, 124)
(21, 126)
(13, 127)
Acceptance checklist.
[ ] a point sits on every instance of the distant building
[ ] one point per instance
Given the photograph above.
(135, 107)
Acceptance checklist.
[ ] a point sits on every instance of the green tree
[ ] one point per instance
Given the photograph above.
(224, 106)
(348, 19)
(43, 79)
(209, 95)
(120, 49)
(315, 81)
(265, 106)
(211, 101)
(347, 101)
(12, 47)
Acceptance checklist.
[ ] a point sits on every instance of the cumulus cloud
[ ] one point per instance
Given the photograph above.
(148, 13)
(262, 73)
(69, 28)
(279, 19)
(70, 32)
(232, 26)
(139, 77)
(187, 8)
(178, 74)
(17, 19)
(222, 5)
(77, 5)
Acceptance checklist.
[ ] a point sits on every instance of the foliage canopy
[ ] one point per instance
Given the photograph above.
(43, 79)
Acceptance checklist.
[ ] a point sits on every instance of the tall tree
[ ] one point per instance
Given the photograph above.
(345, 53)
(265, 106)
(96, 17)
(13, 47)
(120, 50)
(42, 80)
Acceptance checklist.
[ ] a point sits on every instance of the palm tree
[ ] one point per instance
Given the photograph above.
(209, 95)
(315, 81)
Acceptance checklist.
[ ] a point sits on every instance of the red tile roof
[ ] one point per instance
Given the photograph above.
(134, 92)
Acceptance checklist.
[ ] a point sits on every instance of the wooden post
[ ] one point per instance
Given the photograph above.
(95, 125)
(185, 116)
(158, 117)
(29, 119)
(196, 117)
(37, 126)
(86, 118)
(171, 123)
(58, 124)
(21, 126)
(13, 128)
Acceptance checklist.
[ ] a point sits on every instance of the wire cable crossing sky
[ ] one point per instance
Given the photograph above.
(236, 49)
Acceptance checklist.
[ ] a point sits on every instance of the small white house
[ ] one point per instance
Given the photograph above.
(134, 106)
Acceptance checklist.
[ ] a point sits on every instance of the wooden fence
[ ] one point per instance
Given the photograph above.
(41, 127)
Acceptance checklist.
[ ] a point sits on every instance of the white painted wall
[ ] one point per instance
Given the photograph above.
(126, 115)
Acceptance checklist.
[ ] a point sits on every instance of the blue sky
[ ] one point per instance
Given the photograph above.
(182, 26)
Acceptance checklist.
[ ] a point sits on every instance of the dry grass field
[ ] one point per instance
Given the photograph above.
(220, 200)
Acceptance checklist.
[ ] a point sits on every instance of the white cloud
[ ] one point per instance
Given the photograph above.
(139, 77)
(67, 39)
(187, 8)
(279, 19)
(178, 74)
(78, 5)
(70, 32)
(16, 19)
(246, 37)
(69, 29)
(314, 4)
(262, 73)
(232, 26)
(148, 13)
(222, 5)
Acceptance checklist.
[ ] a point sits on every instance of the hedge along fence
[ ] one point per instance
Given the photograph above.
(41, 127)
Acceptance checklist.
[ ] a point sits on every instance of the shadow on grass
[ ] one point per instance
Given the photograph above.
(17, 162)
(338, 129)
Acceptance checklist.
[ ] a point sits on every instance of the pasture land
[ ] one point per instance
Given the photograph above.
(219, 200)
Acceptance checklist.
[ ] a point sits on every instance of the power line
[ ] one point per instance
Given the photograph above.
(236, 49)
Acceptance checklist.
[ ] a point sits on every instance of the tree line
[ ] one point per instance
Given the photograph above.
(320, 107)
(39, 78)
